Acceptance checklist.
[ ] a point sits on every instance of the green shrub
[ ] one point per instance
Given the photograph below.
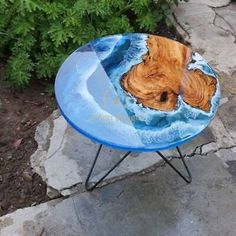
(37, 35)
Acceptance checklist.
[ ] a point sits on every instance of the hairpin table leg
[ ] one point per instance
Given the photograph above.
(187, 179)
(93, 186)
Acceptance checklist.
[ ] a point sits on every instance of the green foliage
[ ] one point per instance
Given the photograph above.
(37, 35)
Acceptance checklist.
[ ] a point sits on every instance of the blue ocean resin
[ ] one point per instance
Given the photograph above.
(93, 100)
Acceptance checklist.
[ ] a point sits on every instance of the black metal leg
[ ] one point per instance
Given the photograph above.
(93, 186)
(187, 179)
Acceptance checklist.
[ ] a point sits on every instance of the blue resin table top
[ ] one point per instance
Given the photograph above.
(137, 92)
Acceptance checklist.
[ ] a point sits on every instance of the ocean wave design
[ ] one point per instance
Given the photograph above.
(117, 55)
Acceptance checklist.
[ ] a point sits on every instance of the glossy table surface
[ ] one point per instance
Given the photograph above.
(137, 92)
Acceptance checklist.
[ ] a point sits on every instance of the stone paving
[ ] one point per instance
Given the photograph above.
(150, 199)
(210, 27)
(65, 163)
(158, 203)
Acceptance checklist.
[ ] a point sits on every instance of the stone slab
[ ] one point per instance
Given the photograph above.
(228, 14)
(63, 157)
(161, 204)
(212, 3)
(192, 15)
(227, 156)
(214, 42)
(227, 114)
(53, 218)
(158, 203)
(210, 26)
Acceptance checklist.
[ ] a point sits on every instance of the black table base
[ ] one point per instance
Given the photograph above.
(187, 179)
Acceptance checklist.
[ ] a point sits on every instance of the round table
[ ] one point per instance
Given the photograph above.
(137, 92)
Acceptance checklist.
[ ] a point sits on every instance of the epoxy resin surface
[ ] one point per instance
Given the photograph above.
(137, 91)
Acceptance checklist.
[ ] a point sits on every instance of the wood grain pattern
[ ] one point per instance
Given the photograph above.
(162, 77)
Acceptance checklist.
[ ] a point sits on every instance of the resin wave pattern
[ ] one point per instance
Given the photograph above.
(137, 91)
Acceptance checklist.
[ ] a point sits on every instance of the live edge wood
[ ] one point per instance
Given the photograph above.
(162, 76)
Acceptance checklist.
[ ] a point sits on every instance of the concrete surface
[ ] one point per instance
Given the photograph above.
(150, 199)
(158, 203)
(56, 217)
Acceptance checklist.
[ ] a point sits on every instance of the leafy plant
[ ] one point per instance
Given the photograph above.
(37, 35)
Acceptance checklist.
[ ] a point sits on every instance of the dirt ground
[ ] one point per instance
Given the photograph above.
(20, 112)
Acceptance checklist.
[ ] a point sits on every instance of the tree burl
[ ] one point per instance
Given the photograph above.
(163, 75)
